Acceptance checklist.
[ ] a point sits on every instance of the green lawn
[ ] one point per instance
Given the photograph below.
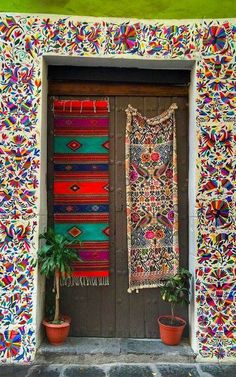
(157, 9)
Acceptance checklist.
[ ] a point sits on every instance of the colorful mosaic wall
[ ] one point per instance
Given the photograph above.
(23, 41)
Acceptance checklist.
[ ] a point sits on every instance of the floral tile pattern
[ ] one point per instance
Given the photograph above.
(23, 42)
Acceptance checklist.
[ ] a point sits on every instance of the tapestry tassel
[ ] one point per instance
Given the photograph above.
(84, 281)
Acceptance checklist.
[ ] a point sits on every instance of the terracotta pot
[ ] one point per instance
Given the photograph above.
(171, 335)
(57, 333)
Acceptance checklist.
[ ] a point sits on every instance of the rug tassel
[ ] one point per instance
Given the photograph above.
(84, 281)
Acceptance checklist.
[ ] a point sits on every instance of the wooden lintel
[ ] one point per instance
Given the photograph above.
(80, 88)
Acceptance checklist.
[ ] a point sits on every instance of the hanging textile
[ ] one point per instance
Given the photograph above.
(81, 178)
(152, 211)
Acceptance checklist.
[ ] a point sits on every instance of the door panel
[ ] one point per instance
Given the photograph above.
(111, 311)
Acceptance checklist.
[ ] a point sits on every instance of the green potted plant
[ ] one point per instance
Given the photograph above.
(175, 291)
(55, 258)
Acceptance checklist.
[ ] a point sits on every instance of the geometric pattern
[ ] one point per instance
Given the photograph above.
(24, 40)
(106, 231)
(74, 232)
(81, 194)
(74, 145)
(75, 188)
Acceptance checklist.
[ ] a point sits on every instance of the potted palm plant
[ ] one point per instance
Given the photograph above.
(55, 258)
(175, 291)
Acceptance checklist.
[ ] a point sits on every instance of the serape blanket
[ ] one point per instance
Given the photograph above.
(81, 185)
(151, 192)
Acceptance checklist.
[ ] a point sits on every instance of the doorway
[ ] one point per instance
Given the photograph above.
(111, 311)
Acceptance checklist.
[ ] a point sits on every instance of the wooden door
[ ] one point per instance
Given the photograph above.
(111, 311)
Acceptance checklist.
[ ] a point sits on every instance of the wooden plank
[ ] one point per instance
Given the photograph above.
(73, 88)
(183, 166)
(162, 307)
(94, 311)
(74, 302)
(122, 297)
(163, 104)
(136, 300)
(150, 301)
(108, 304)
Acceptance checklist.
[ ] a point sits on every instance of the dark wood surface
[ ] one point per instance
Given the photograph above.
(111, 311)
(79, 88)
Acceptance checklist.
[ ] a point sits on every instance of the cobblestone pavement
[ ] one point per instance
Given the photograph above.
(119, 370)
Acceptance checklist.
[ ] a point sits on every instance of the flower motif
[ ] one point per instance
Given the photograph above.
(125, 37)
(145, 157)
(217, 84)
(149, 234)
(214, 38)
(133, 175)
(201, 86)
(220, 352)
(155, 156)
(19, 140)
(171, 215)
(160, 234)
(16, 182)
(169, 173)
(135, 217)
(47, 24)
(218, 212)
(10, 343)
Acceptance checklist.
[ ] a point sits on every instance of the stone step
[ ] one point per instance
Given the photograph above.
(113, 350)
(118, 370)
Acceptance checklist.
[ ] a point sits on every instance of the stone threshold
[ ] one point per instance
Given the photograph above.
(114, 350)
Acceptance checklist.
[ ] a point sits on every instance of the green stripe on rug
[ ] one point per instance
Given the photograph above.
(83, 231)
(82, 144)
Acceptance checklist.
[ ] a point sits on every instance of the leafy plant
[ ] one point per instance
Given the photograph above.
(176, 290)
(55, 258)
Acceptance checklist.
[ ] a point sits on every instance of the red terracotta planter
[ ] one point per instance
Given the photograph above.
(171, 335)
(57, 333)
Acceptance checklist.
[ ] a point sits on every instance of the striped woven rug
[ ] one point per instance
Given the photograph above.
(81, 178)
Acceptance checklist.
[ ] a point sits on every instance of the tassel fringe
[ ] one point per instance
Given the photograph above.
(84, 281)
(157, 284)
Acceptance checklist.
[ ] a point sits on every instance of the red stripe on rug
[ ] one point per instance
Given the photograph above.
(96, 158)
(81, 132)
(90, 273)
(80, 174)
(81, 218)
(79, 188)
(86, 200)
(98, 245)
